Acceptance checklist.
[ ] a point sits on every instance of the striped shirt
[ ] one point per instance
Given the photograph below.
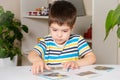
(51, 53)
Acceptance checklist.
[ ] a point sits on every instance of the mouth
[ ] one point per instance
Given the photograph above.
(58, 39)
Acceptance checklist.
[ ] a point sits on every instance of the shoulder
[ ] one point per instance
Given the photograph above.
(45, 38)
(76, 36)
(48, 38)
(42, 41)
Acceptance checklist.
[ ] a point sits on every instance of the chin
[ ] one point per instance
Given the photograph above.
(59, 43)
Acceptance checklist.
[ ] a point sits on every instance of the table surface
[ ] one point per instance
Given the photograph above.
(24, 73)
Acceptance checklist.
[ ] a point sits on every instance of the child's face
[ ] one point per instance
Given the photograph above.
(60, 33)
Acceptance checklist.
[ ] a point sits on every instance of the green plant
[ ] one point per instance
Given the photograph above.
(113, 19)
(10, 34)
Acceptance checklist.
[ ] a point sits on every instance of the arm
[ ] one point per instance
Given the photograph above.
(88, 59)
(34, 57)
(38, 63)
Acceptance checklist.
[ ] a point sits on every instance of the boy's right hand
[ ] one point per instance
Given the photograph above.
(39, 67)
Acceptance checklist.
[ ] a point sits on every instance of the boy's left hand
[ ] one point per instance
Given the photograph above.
(70, 64)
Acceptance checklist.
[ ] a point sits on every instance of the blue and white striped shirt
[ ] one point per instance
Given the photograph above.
(51, 53)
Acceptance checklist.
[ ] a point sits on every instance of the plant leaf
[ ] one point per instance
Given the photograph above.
(25, 28)
(113, 18)
(118, 32)
(108, 23)
(10, 32)
(1, 10)
(3, 53)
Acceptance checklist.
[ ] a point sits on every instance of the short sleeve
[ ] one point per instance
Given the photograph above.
(40, 48)
(83, 46)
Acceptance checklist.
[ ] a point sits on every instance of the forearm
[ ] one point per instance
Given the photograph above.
(87, 60)
(34, 57)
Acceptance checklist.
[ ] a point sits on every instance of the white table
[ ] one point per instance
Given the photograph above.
(24, 73)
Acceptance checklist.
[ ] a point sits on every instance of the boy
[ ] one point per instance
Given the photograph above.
(60, 46)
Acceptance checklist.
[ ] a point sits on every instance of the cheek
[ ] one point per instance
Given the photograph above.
(53, 35)
(51, 32)
(66, 36)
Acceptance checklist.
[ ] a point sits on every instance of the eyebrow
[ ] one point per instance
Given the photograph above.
(57, 28)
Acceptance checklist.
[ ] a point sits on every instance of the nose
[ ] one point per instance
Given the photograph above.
(59, 34)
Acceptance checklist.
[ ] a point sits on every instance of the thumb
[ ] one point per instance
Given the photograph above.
(47, 67)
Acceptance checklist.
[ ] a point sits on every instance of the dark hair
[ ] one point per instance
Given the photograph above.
(62, 12)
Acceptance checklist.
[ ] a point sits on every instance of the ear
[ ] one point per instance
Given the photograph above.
(73, 27)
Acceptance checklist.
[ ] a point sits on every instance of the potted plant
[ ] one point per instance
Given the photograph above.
(113, 19)
(10, 34)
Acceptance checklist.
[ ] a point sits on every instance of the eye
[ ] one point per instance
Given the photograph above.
(54, 29)
(65, 30)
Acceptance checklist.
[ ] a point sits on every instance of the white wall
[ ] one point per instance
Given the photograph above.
(106, 51)
(118, 45)
(12, 5)
(88, 6)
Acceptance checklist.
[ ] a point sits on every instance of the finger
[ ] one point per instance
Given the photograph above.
(37, 70)
(75, 65)
(34, 70)
(47, 67)
(64, 65)
(72, 65)
(41, 69)
(67, 65)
